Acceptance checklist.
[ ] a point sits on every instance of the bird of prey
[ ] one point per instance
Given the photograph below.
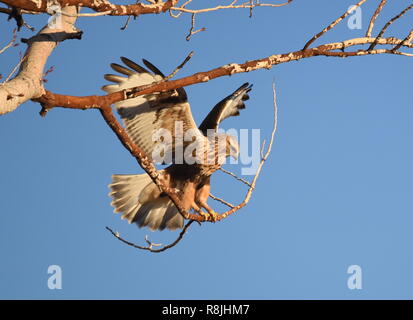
(136, 196)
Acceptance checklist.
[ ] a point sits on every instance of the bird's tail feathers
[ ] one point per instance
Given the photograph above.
(140, 201)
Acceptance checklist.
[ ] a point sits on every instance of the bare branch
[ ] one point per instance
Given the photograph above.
(27, 84)
(178, 68)
(374, 17)
(88, 102)
(233, 5)
(150, 244)
(406, 41)
(11, 43)
(260, 166)
(105, 7)
(191, 30)
(332, 25)
(221, 200)
(125, 26)
(250, 5)
(235, 176)
(22, 58)
(387, 25)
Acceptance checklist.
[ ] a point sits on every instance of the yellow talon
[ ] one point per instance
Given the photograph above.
(210, 216)
(203, 215)
(213, 215)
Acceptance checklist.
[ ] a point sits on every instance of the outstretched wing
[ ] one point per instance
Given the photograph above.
(226, 108)
(147, 115)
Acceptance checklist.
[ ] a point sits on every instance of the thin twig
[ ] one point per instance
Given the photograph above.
(22, 58)
(125, 26)
(260, 166)
(178, 68)
(251, 7)
(374, 17)
(221, 200)
(150, 244)
(235, 176)
(11, 43)
(387, 25)
(246, 5)
(406, 41)
(180, 12)
(263, 148)
(332, 25)
(191, 30)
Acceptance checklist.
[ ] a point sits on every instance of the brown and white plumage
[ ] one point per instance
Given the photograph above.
(136, 196)
(145, 114)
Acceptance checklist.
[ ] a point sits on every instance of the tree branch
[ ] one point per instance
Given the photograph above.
(388, 24)
(150, 244)
(374, 17)
(332, 25)
(98, 6)
(11, 43)
(247, 5)
(221, 200)
(27, 84)
(260, 166)
(329, 50)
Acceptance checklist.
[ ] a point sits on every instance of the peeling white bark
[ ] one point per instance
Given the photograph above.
(27, 84)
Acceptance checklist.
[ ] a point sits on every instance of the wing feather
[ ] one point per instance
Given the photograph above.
(226, 108)
(143, 115)
(154, 69)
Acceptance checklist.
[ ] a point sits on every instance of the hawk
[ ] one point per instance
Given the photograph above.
(136, 196)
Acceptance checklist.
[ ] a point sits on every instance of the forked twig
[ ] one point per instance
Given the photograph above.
(192, 30)
(387, 25)
(332, 25)
(150, 244)
(406, 41)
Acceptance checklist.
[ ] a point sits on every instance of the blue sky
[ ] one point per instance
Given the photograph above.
(336, 191)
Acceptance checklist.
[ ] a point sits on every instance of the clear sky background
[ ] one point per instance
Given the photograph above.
(336, 191)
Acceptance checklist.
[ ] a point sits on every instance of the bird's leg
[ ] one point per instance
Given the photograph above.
(206, 215)
(201, 198)
(213, 216)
